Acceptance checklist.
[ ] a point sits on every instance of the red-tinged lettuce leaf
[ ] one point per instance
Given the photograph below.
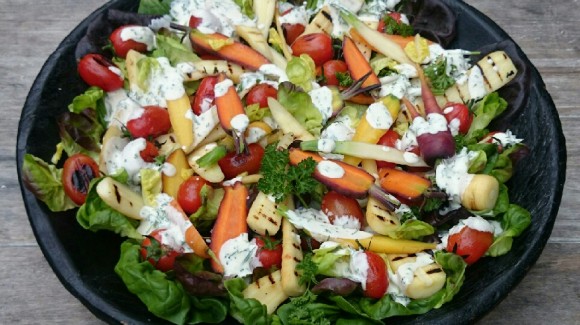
(433, 19)
(517, 91)
(200, 283)
(97, 36)
(81, 133)
(339, 286)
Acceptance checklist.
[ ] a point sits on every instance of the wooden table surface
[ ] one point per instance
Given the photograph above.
(548, 32)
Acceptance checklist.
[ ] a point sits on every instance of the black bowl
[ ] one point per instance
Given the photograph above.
(84, 261)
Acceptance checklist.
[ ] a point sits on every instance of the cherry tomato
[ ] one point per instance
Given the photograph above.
(388, 139)
(234, 164)
(152, 123)
(194, 21)
(336, 205)
(489, 139)
(189, 194)
(96, 70)
(330, 68)
(150, 152)
(269, 252)
(318, 46)
(205, 95)
(460, 112)
(377, 278)
(77, 173)
(292, 32)
(122, 47)
(259, 95)
(159, 255)
(470, 244)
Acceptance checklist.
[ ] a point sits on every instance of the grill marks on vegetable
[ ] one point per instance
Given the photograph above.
(82, 176)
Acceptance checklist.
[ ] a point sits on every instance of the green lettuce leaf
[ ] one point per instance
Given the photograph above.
(171, 48)
(255, 113)
(81, 133)
(203, 219)
(95, 215)
(246, 311)
(299, 104)
(246, 6)
(413, 229)
(88, 99)
(163, 297)
(307, 310)
(301, 71)
(485, 111)
(44, 181)
(154, 7)
(513, 222)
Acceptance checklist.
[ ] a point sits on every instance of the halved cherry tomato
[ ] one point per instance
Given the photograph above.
(96, 70)
(150, 152)
(205, 95)
(77, 173)
(122, 47)
(377, 278)
(336, 205)
(292, 32)
(152, 123)
(259, 95)
(189, 194)
(490, 139)
(269, 252)
(317, 45)
(470, 244)
(460, 112)
(234, 164)
(159, 255)
(194, 21)
(330, 68)
(388, 139)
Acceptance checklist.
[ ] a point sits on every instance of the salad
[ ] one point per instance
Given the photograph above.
(289, 162)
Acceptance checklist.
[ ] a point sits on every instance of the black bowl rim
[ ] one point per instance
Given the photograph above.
(72, 281)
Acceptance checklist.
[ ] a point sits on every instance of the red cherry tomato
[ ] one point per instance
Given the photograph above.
(159, 255)
(489, 139)
(292, 32)
(96, 70)
(194, 21)
(460, 112)
(205, 95)
(470, 244)
(77, 173)
(377, 278)
(189, 194)
(152, 123)
(234, 164)
(150, 152)
(122, 47)
(388, 139)
(259, 95)
(336, 205)
(269, 252)
(318, 46)
(330, 68)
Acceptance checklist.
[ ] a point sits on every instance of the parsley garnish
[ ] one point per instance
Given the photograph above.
(344, 79)
(308, 270)
(393, 27)
(281, 179)
(439, 79)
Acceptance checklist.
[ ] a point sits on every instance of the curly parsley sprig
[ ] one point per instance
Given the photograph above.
(280, 179)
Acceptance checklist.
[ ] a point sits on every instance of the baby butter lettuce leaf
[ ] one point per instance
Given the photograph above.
(301, 71)
(513, 222)
(45, 182)
(154, 7)
(172, 48)
(246, 311)
(247, 7)
(491, 106)
(299, 104)
(81, 133)
(164, 297)
(95, 214)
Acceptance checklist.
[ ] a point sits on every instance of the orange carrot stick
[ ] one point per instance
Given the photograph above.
(192, 237)
(357, 64)
(228, 105)
(235, 52)
(403, 184)
(355, 182)
(231, 220)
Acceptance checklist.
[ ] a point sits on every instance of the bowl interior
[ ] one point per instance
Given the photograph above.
(84, 261)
